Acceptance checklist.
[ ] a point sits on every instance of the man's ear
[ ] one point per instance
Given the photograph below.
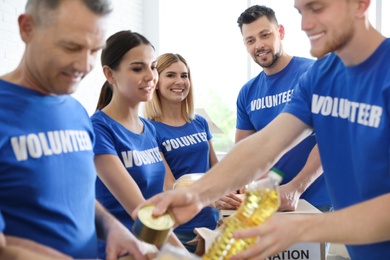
(26, 27)
(281, 31)
(362, 8)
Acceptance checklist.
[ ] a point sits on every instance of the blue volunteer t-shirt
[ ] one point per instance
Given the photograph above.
(186, 150)
(139, 154)
(47, 173)
(349, 108)
(263, 98)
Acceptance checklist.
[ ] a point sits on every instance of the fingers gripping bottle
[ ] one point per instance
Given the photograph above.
(260, 202)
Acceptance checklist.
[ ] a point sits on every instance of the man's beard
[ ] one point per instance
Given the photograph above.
(271, 63)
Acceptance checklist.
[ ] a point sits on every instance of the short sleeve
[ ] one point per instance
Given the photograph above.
(104, 139)
(206, 126)
(300, 103)
(243, 121)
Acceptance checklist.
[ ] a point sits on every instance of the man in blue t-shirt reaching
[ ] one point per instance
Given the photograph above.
(344, 97)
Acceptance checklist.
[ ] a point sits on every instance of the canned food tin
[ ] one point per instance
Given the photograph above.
(150, 229)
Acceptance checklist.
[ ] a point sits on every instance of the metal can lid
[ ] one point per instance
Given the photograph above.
(162, 222)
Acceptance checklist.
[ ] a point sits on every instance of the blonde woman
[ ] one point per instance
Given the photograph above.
(183, 136)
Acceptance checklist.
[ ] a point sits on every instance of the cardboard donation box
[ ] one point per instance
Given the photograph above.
(299, 251)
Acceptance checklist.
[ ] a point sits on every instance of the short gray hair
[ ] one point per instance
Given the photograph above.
(35, 7)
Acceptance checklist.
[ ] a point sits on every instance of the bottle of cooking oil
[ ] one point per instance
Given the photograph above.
(260, 202)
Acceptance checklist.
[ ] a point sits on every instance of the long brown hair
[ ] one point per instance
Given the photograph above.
(117, 45)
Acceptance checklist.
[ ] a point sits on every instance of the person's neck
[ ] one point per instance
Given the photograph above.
(23, 78)
(280, 64)
(172, 115)
(361, 46)
(126, 115)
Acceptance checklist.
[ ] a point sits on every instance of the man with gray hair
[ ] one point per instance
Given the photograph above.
(47, 172)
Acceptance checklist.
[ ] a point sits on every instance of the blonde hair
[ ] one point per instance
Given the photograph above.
(152, 109)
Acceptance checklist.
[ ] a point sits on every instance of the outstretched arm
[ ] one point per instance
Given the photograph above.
(292, 191)
(118, 238)
(229, 201)
(242, 134)
(21, 253)
(251, 157)
(20, 248)
(248, 160)
(116, 178)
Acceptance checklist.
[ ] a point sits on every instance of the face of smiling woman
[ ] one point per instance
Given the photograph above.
(136, 76)
(174, 83)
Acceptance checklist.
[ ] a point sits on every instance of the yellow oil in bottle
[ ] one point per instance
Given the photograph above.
(258, 205)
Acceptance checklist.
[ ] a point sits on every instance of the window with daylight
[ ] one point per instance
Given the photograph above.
(206, 34)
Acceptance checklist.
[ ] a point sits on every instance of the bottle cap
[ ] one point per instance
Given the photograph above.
(276, 174)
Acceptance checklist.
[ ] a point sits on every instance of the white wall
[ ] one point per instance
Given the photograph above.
(206, 34)
(11, 46)
(127, 15)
